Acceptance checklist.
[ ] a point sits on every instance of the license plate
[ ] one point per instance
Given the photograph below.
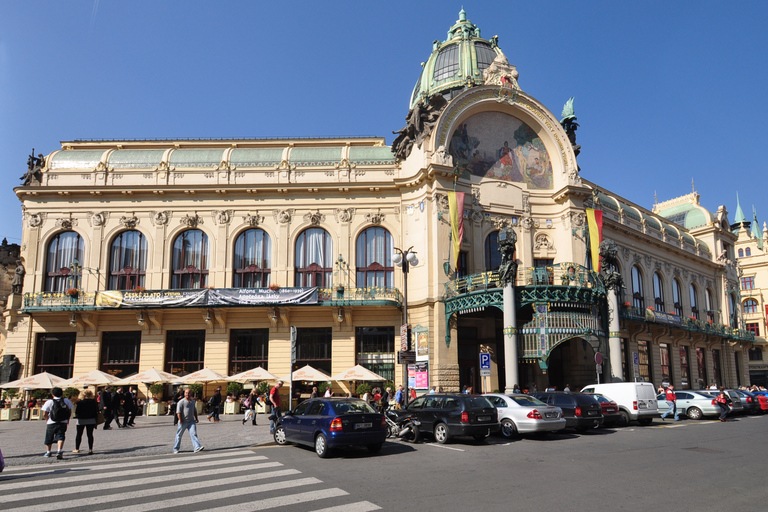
(591, 413)
(550, 415)
(483, 418)
(363, 425)
(641, 406)
(610, 409)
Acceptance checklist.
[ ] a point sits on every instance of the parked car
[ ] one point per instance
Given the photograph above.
(329, 423)
(762, 397)
(693, 404)
(581, 410)
(750, 402)
(524, 414)
(636, 400)
(736, 406)
(611, 413)
(447, 415)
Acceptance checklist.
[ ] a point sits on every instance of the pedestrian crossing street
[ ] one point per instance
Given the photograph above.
(222, 480)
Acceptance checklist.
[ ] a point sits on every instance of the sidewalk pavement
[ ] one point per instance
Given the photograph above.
(22, 441)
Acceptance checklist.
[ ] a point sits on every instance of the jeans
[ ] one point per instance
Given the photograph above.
(724, 410)
(672, 408)
(273, 422)
(214, 412)
(192, 427)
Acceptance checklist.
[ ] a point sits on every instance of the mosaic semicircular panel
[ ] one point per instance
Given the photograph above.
(499, 146)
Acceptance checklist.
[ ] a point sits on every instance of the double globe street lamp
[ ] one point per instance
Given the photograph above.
(404, 259)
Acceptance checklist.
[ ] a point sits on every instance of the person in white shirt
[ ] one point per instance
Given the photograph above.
(56, 424)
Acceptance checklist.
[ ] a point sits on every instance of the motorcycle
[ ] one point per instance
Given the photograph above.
(405, 427)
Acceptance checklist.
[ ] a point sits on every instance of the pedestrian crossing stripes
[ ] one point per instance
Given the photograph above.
(214, 481)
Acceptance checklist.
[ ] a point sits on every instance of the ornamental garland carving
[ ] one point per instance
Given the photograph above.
(314, 218)
(283, 216)
(191, 221)
(129, 222)
(375, 218)
(502, 222)
(344, 214)
(222, 216)
(160, 218)
(66, 223)
(253, 220)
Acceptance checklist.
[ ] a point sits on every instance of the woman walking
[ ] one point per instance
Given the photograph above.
(87, 410)
(250, 405)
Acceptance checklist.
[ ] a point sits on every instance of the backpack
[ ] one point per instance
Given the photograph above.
(60, 411)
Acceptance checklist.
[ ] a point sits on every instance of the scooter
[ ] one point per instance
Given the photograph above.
(404, 427)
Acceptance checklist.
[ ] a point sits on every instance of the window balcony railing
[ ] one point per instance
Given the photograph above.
(687, 323)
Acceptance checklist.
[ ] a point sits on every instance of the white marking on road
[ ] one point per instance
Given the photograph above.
(443, 446)
(360, 506)
(280, 501)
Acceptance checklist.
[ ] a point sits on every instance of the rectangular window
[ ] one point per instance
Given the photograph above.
(748, 283)
(716, 367)
(55, 353)
(754, 328)
(248, 349)
(702, 368)
(644, 358)
(756, 354)
(543, 272)
(313, 347)
(184, 351)
(666, 373)
(375, 348)
(737, 361)
(685, 382)
(462, 266)
(120, 353)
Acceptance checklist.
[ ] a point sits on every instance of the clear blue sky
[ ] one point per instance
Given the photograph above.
(665, 91)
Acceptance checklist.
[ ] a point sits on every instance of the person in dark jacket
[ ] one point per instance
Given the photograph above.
(105, 405)
(87, 410)
(131, 406)
(215, 403)
(117, 401)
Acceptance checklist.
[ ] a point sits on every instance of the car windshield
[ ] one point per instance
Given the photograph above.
(526, 400)
(601, 399)
(479, 402)
(352, 407)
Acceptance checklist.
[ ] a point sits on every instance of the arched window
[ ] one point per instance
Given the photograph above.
(253, 259)
(314, 258)
(694, 302)
(637, 288)
(127, 261)
(492, 254)
(658, 292)
(710, 306)
(63, 250)
(677, 297)
(741, 253)
(749, 251)
(750, 306)
(190, 260)
(373, 258)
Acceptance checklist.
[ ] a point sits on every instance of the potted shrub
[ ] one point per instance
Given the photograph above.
(363, 389)
(234, 388)
(274, 287)
(157, 390)
(8, 395)
(196, 390)
(71, 393)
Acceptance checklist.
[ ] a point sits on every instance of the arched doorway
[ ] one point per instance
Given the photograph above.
(572, 362)
(477, 332)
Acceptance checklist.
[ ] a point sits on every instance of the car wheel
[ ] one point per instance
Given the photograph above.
(694, 413)
(508, 428)
(624, 422)
(375, 448)
(321, 446)
(279, 435)
(441, 433)
(645, 421)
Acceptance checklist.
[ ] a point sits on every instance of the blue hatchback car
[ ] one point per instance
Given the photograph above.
(328, 423)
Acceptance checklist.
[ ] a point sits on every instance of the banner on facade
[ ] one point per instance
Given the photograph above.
(205, 297)
(662, 317)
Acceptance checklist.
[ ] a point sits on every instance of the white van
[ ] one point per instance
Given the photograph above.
(636, 400)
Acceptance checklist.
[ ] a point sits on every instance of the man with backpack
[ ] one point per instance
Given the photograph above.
(56, 412)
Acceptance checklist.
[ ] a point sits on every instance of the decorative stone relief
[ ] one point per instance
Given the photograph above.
(314, 218)
(543, 243)
(375, 218)
(476, 217)
(344, 214)
(97, 219)
(625, 252)
(442, 157)
(667, 267)
(527, 223)
(676, 271)
(191, 221)
(36, 219)
(66, 223)
(129, 222)
(526, 204)
(475, 196)
(442, 201)
(685, 273)
(253, 220)
(636, 257)
(222, 216)
(345, 165)
(648, 260)
(579, 219)
(160, 218)
(283, 216)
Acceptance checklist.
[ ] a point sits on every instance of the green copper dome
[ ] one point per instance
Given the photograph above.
(456, 63)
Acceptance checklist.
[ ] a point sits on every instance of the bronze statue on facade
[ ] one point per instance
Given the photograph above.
(609, 262)
(17, 284)
(419, 122)
(34, 168)
(570, 125)
(507, 247)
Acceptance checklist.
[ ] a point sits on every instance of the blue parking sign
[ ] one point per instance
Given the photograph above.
(485, 361)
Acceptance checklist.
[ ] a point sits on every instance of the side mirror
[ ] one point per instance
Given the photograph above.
(288, 413)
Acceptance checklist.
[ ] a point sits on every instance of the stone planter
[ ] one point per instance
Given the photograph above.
(232, 407)
(10, 414)
(156, 409)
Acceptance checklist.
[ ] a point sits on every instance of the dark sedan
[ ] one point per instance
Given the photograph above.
(446, 415)
(328, 423)
(580, 410)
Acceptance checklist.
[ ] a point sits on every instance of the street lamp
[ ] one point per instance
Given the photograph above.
(404, 260)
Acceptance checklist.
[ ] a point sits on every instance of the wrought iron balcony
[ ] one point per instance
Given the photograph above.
(691, 324)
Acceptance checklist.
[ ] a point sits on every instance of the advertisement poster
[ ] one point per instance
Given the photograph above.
(422, 345)
(205, 297)
(418, 376)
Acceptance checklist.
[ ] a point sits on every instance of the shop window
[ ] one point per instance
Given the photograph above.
(184, 352)
(55, 353)
(644, 360)
(190, 260)
(252, 259)
(702, 367)
(248, 349)
(375, 350)
(666, 366)
(716, 374)
(685, 382)
(62, 252)
(314, 258)
(120, 353)
(373, 256)
(127, 261)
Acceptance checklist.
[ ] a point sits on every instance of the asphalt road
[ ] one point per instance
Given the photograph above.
(687, 465)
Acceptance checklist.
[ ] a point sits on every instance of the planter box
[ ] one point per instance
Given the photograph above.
(261, 408)
(232, 407)
(199, 406)
(35, 413)
(157, 409)
(10, 414)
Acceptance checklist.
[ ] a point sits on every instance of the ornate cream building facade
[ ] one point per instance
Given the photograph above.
(161, 253)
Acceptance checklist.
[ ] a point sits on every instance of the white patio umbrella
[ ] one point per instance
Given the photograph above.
(308, 374)
(42, 380)
(151, 376)
(203, 376)
(254, 374)
(92, 378)
(358, 373)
